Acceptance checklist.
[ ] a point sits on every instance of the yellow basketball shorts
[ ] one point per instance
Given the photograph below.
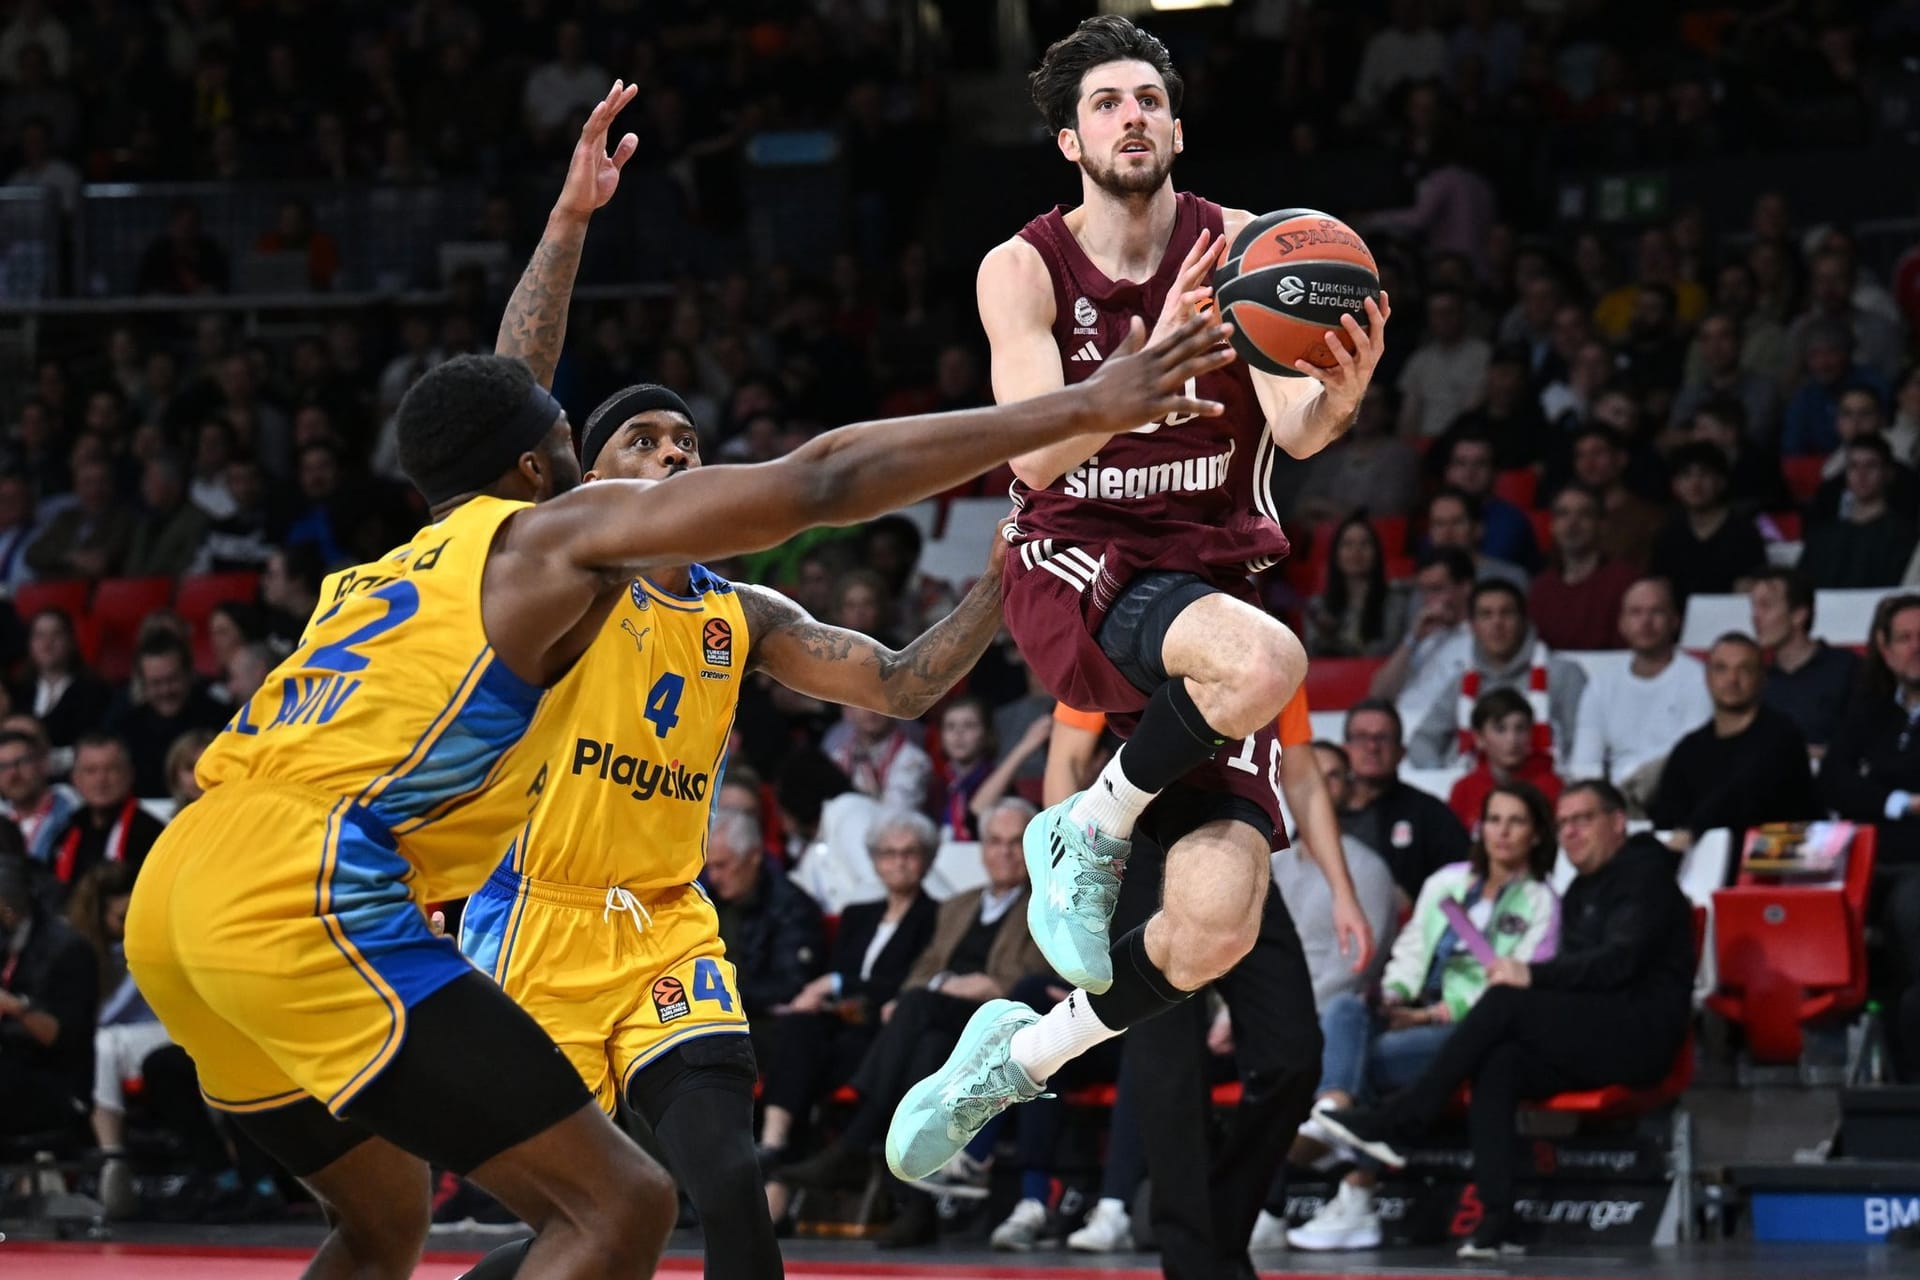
(616, 979)
(273, 931)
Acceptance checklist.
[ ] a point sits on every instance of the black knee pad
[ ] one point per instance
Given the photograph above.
(1134, 634)
(725, 1062)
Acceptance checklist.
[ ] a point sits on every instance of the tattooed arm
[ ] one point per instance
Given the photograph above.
(534, 327)
(837, 665)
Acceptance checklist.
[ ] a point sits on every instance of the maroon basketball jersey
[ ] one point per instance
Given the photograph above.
(1180, 494)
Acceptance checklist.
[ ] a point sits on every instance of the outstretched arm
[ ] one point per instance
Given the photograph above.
(534, 328)
(837, 665)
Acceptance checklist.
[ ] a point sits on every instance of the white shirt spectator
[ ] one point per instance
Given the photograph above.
(555, 89)
(1310, 902)
(836, 868)
(1395, 56)
(52, 174)
(34, 24)
(1445, 381)
(1438, 661)
(1627, 721)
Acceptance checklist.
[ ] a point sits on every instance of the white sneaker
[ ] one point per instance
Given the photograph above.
(1108, 1230)
(1337, 1152)
(962, 1177)
(1269, 1233)
(1347, 1221)
(1021, 1231)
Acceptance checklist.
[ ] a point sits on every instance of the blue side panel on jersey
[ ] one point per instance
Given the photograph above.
(369, 897)
(483, 926)
(495, 717)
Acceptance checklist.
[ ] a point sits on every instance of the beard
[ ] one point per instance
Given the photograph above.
(1127, 181)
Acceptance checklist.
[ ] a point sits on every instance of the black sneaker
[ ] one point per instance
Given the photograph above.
(835, 1168)
(1365, 1131)
(458, 1205)
(915, 1226)
(1493, 1238)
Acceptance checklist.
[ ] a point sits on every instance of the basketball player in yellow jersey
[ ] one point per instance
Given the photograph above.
(277, 926)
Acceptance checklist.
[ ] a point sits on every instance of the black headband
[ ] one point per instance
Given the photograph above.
(484, 461)
(622, 407)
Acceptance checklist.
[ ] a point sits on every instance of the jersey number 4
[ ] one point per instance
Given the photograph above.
(709, 985)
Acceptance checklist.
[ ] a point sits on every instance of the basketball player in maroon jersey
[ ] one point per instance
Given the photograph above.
(1127, 588)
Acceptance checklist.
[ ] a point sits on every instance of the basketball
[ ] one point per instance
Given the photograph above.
(1286, 281)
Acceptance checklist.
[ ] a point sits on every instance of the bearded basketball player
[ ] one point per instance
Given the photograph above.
(1127, 588)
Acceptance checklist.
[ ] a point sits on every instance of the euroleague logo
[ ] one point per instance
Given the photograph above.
(670, 1000)
(1291, 290)
(717, 637)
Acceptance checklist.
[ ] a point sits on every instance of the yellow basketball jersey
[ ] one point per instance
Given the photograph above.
(395, 700)
(634, 739)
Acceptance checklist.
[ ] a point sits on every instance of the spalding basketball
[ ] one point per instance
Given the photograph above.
(1286, 282)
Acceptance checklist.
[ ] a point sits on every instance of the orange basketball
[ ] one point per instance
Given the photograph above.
(1286, 282)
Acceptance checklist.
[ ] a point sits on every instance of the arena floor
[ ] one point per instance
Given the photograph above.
(278, 1254)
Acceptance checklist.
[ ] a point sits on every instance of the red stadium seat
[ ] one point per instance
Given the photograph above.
(1803, 476)
(1542, 528)
(69, 594)
(1791, 954)
(1518, 485)
(1791, 524)
(1393, 534)
(120, 605)
(1334, 684)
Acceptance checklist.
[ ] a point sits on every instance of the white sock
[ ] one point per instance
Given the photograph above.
(1112, 1204)
(1063, 1033)
(1111, 804)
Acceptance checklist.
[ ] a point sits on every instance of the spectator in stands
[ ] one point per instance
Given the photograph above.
(294, 232)
(1409, 50)
(1611, 1007)
(170, 702)
(243, 539)
(1631, 715)
(980, 951)
(1506, 748)
(231, 625)
(89, 539)
(1705, 547)
(183, 758)
(245, 671)
(1657, 269)
(1575, 601)
(1510, 420)
(1871, 772)
(1358, 615)
(1808, 680)
(238, 392)
(1506, 532)
(1720, 376)
(1371, 467)
(774, 935)
(49, 994)
(1903, 923)
(1629, 523)
(816, 1040)
(1861, 415)
(56, 687)
(1447, 373)
(110, 825)
(167, 540)
(36, 805)
(1439, 610)
(1502, 653)
(1454, 520)
(1754, 479)
(1431, 983)
(1869, 543)
(1874, 338)
(826, 822)
(968, 747)
(183, 259)
(325, 515)
(1745, 766)
(19, 524)
(127, 1029)
(1412, 830)
(290, 589)
(879, 754)
(1811, 427)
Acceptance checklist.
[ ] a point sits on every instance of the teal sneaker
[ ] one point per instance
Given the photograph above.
(1074, 872)
(942, 1114)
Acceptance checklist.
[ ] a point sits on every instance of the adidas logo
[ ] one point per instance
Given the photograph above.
(1087, 352)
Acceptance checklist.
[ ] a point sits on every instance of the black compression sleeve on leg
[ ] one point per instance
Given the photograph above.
(503, 1263)
(1172, 738)
(1139, 989)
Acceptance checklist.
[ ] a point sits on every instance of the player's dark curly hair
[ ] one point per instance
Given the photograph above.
(456, 405)
(1055, 84)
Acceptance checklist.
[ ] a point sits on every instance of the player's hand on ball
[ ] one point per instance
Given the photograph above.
(1190, 292)
(1139, 384)
(1356, 352)
(592, 174)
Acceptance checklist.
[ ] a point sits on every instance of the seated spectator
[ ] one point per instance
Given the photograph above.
(1706, 547)
(966, 741)
(170, 703)
(1503, 653)
(826, 823)
(1714, 374)
(775, 939)
(166, 541)
(1629, 523)
(1861, 415)
(1575, 601)
(1411, 829)
(1447, 373)
(49, 995)
(1745, 766)
(242, 540)
(89, 539)
(293, 232)
(231, 626)
(1454, 520)
(1370, 467)
(1871, 772)
(1506, 748)
(110, 825)
(1631, 716)
(1431, 982)
(290, 589)
(1611, 1007)
(1023, 760)
(1868, 544)
(326, 510)
(19, 525)
(1811, 425)
(881, 757)
(980, 951)
(861, 602)
(57, 688)
(183, 259)
(1506, 534)
(246, 670)
(1509, 419)
(1903, 922)
(28, 798)
(1809, 681)
(1833, 310)
(183, 760)
(1357, 616)
(817, 1039)
(1754, 480)
(1412, 674)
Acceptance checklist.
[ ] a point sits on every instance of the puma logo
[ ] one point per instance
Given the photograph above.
(639, 635)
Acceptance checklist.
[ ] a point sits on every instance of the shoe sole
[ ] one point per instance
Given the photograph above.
(1479, 1253)
(922, 1096)
(1039, 861)
(1335, 1244)
(956, 1191)
(1123, 1245)
(1380, 1151)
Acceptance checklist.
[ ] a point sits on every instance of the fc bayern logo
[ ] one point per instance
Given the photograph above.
(1083, 312)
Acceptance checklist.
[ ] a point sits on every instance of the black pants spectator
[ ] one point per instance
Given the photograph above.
(913, 1044)
(1206, 1196)
(1519, 1044)
(37, 1101)
(808, 1055)
(1903, 920)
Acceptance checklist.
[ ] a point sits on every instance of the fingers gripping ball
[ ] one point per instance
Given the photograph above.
(1285, 284)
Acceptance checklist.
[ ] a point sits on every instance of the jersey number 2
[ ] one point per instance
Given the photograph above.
(400, 600)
